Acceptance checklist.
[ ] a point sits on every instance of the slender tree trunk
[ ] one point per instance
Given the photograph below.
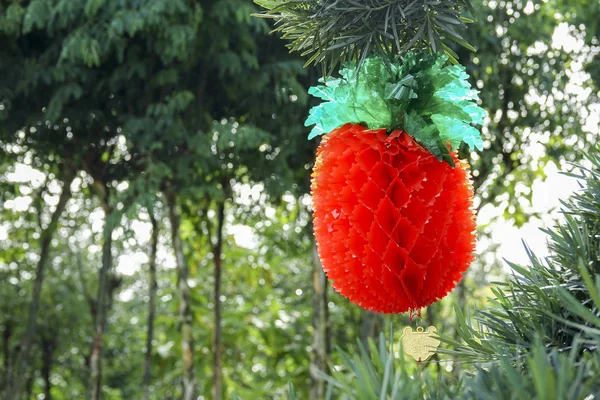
(461, 299)
(6, 335)
(217, 388)
(185, 314)
(152, 286)
(461, 295)
(320, 337)
(29, 385)
(14, 389)
(48, 347)
(102, 306)
(371, 325)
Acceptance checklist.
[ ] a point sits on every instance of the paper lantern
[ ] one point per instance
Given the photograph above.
(394, 225)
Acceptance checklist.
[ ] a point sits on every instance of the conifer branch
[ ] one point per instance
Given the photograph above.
(331, 32)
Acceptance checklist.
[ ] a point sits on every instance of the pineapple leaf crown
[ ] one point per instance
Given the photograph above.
(420, 94)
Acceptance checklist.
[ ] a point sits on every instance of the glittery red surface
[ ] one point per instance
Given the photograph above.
(394, 226)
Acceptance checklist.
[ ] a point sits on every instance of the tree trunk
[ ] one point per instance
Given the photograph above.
(6, 335)
(152, 286)
(102, 306)
(461, 299)
(320, 337)
(48, 347)
(371, 325)
(217, 388)
(29, 385)
(461, 295)
(185, 314)
(14, 389)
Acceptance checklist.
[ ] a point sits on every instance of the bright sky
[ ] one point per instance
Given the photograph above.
(546, 202)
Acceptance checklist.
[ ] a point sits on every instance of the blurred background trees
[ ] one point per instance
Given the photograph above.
(156, 150)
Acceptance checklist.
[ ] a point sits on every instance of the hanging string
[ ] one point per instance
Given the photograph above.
(418, 325)
(414, 313)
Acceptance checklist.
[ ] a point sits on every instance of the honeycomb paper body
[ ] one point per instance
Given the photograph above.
(394, 225)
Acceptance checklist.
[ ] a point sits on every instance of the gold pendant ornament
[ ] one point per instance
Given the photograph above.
(421, 344)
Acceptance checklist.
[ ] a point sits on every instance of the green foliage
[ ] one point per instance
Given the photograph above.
(538, 339)
(551, 374)
(534, 119)
(133, 91)
(547, 311)
(134, 94)
(419, 94)
(381, 372)
(333, 32)
(556, 299)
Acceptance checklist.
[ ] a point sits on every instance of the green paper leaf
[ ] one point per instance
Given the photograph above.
(456, 131)
(456, 91)
(322, 92)
(427, 135)
(476, 113)
(418, 93)
(403, 90)
(355, 98)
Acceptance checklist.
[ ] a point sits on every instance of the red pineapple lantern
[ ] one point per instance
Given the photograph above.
(393, 214)
(394, 224)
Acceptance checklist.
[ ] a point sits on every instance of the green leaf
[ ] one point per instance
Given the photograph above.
(428, 135)
(456, 91)
(417, 93)
(332, 32)
(355, 98)
(403, 90)
(456, 131)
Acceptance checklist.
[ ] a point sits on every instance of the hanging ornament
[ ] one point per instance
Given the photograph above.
(394, 224)
(421, 344)
(393, 216)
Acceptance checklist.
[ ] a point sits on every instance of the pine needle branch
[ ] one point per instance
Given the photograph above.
(331, 32)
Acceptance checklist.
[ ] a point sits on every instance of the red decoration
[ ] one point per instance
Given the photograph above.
(394, 226)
